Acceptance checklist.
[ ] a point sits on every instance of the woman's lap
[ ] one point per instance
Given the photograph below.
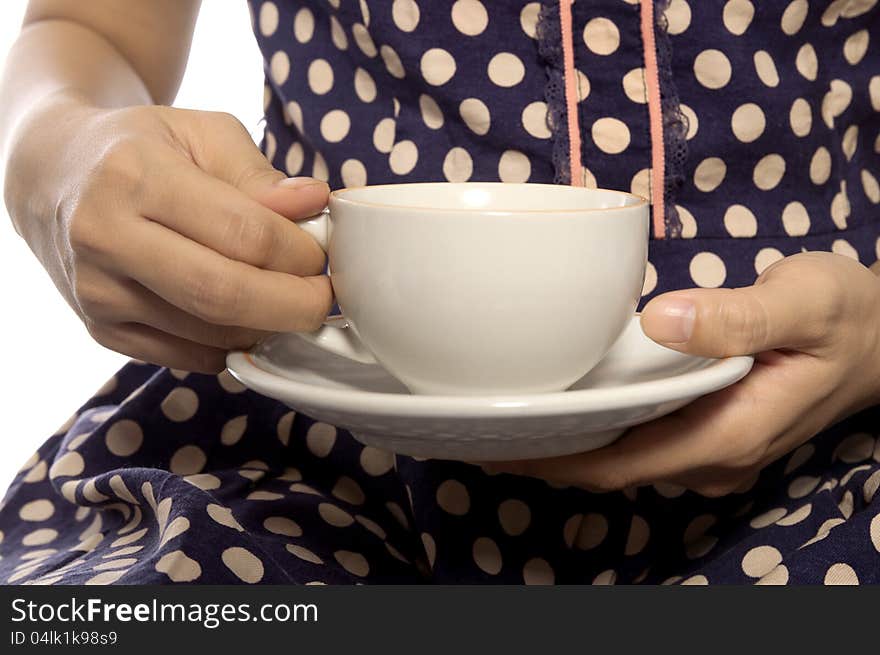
(171, 477)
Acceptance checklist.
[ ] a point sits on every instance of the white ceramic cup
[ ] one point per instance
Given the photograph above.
(481, 288)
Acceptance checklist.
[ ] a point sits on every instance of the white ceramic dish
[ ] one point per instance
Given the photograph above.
(637, 381)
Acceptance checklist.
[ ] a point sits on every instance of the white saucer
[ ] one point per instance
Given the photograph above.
(637, 381)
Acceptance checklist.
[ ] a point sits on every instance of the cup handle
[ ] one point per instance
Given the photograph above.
(335, 336)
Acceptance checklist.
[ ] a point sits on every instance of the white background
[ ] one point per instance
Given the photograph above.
(50, 365)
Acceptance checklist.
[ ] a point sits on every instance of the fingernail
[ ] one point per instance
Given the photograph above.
(671, 320)
(299, 182)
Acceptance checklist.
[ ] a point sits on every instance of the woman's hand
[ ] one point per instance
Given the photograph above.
(167, 230)
(813, 321)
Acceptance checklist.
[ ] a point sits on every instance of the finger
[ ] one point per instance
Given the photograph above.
(130, 302)
(150, 345)
(223, 148)
(793, 306)
(220, 290)
(219, 216)
(732, 427)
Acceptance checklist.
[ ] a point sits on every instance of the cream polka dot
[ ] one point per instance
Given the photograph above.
(270, 146)
(850, 141)
(766, 257)
(124, 438)
(335, 515)
(534, 120)
(244, 564)
(475, 115)
(405, 14)
(768, 518)
(748, 122)
(283, 427)
(514, 166)
(453, 497)
(634, 85)
(855, 448)
(39, 537)
(349, 491)
(794, 16)
(180, 404)
(335, 125)
(592, 531)
(383, 135)
(528, 19)
(268, 18)
(458, 165)
(353, 173)
(320, 439)
(835, 102)
(765, 68)
(650, 282)
(693, 123)
(233, 430)
(372, 526)
(179, 567)
(37, 473)
(514, 516)
(855, 47)
(365, 12)
(392, 62)
(872, 484)
(840, 207)
(709, 174)
(802, 486)
(469, 17)
(855, 8)
(36, 510)
(303, 553)
(588, 179)
(875, 532)
(364, 40)
(506, 70)
(437, 66)
(188, 460)
(583, 86)
(364, 85)
(843, 247)
(601, 36)
(608, 577)
(759, 561)
(376, 462)
(279, 67)
(841, 574)
(538, 572)
(487, 556)
(637, 539)
(795, 219)
(796, 516)
(870, 186)
(293, 113)
(223, 516)
(68, 465)
(304, 25)
(610, 135)
(806, 62)
(740, 221)
(204, 481)
(820, 166)
(800, 117)
(768, 172)
(354, 563)
(430, 110)
(337, 34)
(778, 576)
(712, 69)
(678, 16)
(640, 184)
(106, 578)
(403, 158)
(874, 92)
(320, 76)
(737, 16)
(707, 270)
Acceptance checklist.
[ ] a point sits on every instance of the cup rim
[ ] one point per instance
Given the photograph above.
(339, 195)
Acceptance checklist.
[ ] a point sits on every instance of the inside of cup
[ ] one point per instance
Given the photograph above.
(489, 196)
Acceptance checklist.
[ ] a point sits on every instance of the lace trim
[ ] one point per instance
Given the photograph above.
(675, 123)
(549, 32)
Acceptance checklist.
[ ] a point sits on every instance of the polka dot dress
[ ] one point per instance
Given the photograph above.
(770, 117)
